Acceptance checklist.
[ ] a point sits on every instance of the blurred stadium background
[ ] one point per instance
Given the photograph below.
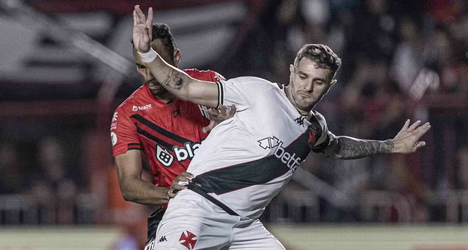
(66, 65)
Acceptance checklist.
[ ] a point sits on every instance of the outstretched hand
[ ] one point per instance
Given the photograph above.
(142, 29)
(407, 140)
(219, 115)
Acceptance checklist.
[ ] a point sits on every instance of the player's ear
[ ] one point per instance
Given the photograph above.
(291, 68)
(177, 57)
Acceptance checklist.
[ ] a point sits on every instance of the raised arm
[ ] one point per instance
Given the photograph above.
(173, 79)
(406, 141)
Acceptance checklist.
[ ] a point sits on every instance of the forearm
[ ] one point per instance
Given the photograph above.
(170, 77)
(343, 147)
(137, 190)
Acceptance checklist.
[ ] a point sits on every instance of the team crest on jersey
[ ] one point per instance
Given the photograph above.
(188, 239)
(113, 138)
(164, 156)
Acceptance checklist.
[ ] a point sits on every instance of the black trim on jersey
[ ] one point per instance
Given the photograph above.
(154, 138)
(220, 94)
(316, 129)
(160, 130)
(131, 146)
(218, 203)
(257, 172)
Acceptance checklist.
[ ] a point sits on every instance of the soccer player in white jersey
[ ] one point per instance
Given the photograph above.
(248, 159)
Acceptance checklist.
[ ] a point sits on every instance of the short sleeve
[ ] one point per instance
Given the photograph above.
(123, 133)
(241, 91)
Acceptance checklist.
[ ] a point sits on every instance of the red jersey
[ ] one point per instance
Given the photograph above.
(169, 133)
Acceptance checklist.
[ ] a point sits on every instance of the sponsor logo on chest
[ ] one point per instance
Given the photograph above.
(187, 152)
(145, 107)
(289, 159)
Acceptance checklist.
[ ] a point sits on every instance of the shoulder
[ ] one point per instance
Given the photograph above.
(318, 129)
(205, 75)
(133, 100)
(319, 117)
(252, 82)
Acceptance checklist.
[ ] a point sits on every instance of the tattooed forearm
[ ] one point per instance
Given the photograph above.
(350, 148)
(174, 79)
(166, 81)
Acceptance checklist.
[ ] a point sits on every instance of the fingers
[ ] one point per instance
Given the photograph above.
(209, 127)
(172, 193)
(420, 144)
(180, 183)
(406, 124)
(222, 110)
(140, 17)
(233, 110)
(177, 187)
(213, 113)
(149, 22)
(414, 125)
(184, 176)
(420, 131)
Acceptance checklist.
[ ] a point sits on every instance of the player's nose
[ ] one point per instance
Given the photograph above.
(148, 76)
(309, 86)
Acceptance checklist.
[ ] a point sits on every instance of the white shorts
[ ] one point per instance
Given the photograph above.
(193, 222)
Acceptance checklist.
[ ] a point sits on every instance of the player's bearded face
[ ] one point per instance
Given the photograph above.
(153, 85)
(308, 84)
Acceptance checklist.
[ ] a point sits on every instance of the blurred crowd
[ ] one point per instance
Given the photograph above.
(398, 57)
(401, 60)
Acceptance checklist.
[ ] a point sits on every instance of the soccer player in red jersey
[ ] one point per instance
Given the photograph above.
(168, 131)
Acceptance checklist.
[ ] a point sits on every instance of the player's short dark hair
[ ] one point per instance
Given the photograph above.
(320, 54)
(162, 32)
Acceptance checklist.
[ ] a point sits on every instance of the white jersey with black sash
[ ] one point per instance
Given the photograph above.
(247, 160)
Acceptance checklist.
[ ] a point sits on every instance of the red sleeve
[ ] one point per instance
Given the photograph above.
(205, 75)
(124, 134)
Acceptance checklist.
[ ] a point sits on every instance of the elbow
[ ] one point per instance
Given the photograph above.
(331, 154)
(127, 195)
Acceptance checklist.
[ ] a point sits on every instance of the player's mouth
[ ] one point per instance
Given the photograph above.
(304, 95)
(153, 85)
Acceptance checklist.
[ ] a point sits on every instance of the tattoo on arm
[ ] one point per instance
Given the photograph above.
(178, 79)
(343, 147)
(174, 79)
